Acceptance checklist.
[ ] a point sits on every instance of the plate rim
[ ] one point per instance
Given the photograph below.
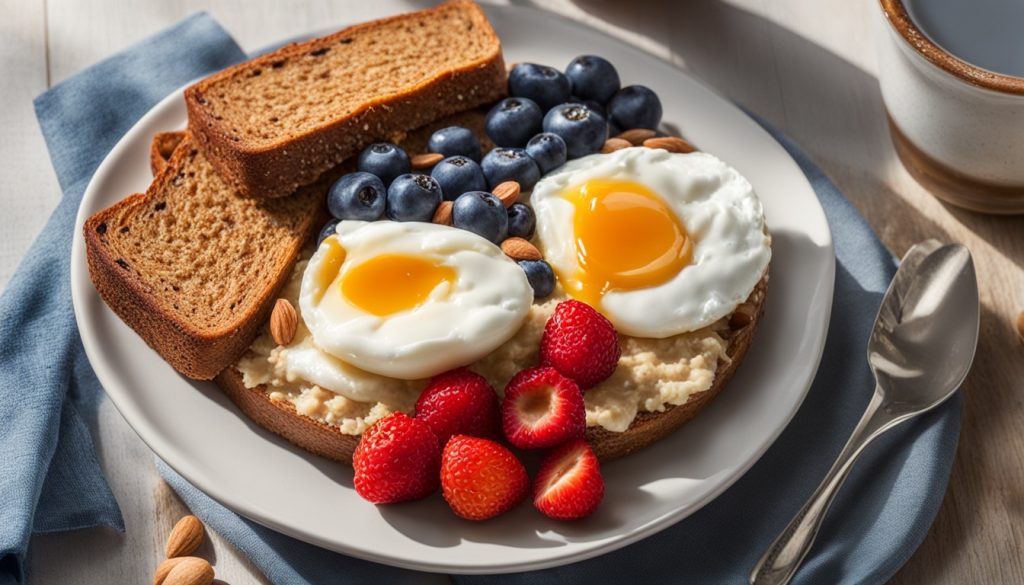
(109, 378)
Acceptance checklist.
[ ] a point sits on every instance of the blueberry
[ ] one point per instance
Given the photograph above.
(357, 196)
(521, 221)
(594, 106)
(481, 213)
(583, 131)
(635, 106)
(592, 78)
(512, 121)
(545, 85)
(510, 164)
(385, 160)
(455, 141)
(541, 277)
(328, 230)
(457, 175)
(547, 150)
(413, 198)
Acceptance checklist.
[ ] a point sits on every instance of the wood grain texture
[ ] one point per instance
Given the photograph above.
(28, 188)
(806, 67)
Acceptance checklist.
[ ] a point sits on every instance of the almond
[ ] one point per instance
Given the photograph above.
(187, 534)
(670, 143)
(443, 215)
(507, 192)
(613, 144)
(426, 160)
(283, 322)
(520, 249)
(1020, 326)
(165, 567)
(190, 571)
(636, 136)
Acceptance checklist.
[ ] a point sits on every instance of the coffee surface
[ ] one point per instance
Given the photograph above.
(985, 33)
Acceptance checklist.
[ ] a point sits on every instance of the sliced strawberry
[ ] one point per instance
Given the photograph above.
(569, 484)
(542, 408)
(397, 459)
(481, 479)
(580, 343)
(460, 402)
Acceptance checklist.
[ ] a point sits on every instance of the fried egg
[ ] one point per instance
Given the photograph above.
(410, 300)
(661, 243)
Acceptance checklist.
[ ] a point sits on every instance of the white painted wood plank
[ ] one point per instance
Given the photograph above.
(28, 187)
(82, 32)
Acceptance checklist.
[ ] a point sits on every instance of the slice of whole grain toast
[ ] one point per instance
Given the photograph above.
(279, 121)
(193, 268)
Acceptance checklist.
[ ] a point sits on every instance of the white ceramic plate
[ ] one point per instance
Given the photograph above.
(200, 433)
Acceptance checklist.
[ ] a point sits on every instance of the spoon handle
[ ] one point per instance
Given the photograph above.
(780, 562)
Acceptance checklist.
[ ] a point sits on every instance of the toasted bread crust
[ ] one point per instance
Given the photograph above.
(280, 417)
(278, 169)
(197, 353)
(187, 350)
(161, 149)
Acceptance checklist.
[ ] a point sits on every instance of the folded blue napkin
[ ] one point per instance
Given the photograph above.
(51, 480)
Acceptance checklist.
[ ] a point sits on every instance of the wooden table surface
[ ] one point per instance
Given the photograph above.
(807, 66)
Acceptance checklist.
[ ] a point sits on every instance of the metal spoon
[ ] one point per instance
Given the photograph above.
(920, 350)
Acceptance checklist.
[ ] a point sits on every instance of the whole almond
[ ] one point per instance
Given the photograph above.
(520, 249)
(636, 136)
(190, 571)
(507, 192)
(283, 322)
(613, 144)
(1020, 326)
(670, 143)
(426, 160)
(187, 534)
(443, 215)
(165, 567)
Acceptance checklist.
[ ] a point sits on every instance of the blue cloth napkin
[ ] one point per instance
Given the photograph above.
(50, 479)
(50, 476)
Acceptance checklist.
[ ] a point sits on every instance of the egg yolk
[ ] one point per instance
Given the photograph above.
(391, 283)
(626, 238)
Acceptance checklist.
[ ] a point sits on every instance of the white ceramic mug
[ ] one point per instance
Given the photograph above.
(958, 128)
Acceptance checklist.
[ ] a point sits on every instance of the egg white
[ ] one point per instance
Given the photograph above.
(457, 324)
(715, 204)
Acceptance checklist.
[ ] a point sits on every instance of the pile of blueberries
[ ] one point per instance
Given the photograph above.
(550, 117)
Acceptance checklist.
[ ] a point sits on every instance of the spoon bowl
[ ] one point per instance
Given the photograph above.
(926, 332)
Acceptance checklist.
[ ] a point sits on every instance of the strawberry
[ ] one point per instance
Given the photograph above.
(459, 402)
(542, 408)
(569, 484)
(580, 343)
(396, 460)
(480, 478)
